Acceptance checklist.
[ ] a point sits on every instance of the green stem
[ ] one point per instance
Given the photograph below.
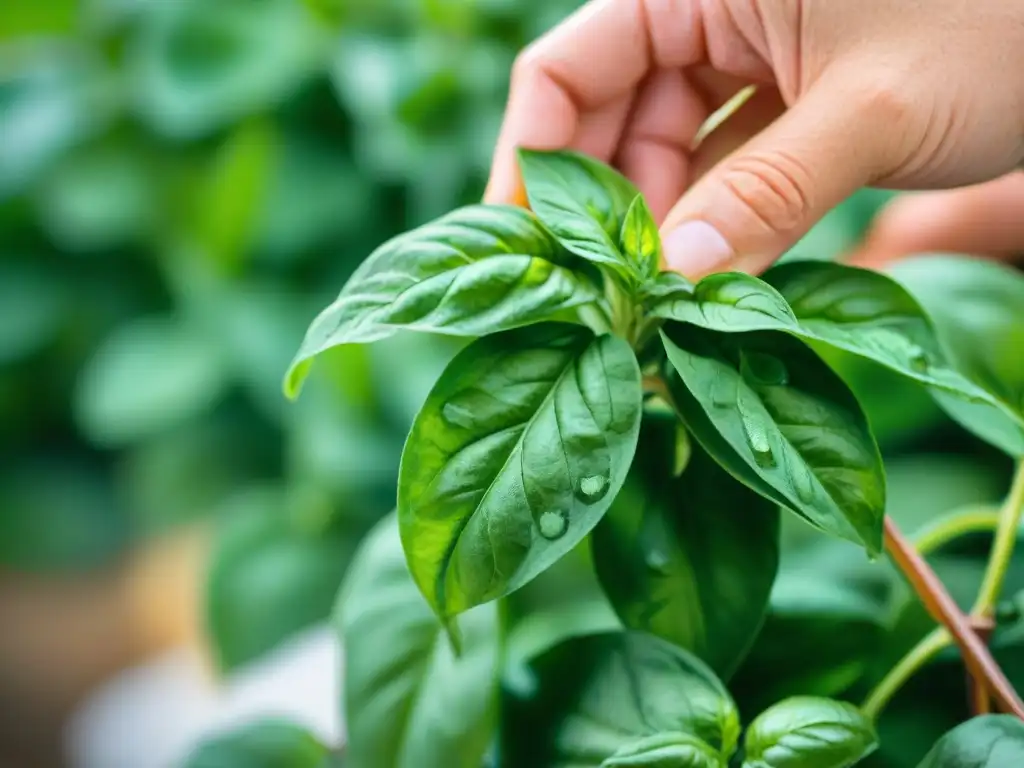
(1002, 547)
(960, 523)
(928, 647)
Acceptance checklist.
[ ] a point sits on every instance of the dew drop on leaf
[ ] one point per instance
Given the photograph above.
(757, 438)
(658, 561)
(592, 488)
(553, 525)
(918, 360)
(457, 415)
(804, 484)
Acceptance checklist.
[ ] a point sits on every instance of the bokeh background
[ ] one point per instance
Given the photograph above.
(183, 185)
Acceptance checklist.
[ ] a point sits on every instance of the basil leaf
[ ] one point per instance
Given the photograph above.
(855, 310)
(689, 559)
(808, 732)
(640, 240)
(607, 697)
(409, 702)
(977, 307)
(518, 451)
(989, 741)
(776, 417)
(584, 203)
(477, 270)
(265, 743)
(668, 750)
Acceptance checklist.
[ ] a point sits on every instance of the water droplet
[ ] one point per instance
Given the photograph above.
(764, 370)
(553, 525)
(658, 561)
(804, 483)
(592, 488)
(756, 433)
(918, 360)
(457, 415)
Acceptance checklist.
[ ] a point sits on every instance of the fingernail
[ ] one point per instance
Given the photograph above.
(695, 248)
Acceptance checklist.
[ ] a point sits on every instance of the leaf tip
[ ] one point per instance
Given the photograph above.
(295, 377)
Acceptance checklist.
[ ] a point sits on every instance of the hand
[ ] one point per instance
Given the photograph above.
(981, 220)
(916, 94)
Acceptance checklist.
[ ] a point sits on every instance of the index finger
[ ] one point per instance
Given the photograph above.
(601, 52)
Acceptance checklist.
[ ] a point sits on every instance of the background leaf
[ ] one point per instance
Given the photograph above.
(530, 432)
(990, 741)
(409, 702)
(690, 559)
(590, 697)
(268, 743)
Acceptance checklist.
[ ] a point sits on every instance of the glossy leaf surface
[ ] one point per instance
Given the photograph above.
(692, 558)
(776, 417)
(478, 270)
(409, 702)
(990, 741)
(808, 732)
(584, 203)
(618, 699)
(522, 445)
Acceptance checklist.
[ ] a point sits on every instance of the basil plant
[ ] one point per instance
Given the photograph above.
(665, 426)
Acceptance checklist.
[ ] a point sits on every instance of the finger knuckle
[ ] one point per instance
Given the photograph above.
(774, 188)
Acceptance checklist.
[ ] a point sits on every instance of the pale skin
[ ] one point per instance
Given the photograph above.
(905, 94)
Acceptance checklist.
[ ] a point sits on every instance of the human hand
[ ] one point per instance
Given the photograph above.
(981, 220)
(919, 94)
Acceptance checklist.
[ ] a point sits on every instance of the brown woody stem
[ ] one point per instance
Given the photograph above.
(938, 602)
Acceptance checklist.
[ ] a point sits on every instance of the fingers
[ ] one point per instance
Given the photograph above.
(599, 55)
(757, 202)
(985, 220)
(655, 148)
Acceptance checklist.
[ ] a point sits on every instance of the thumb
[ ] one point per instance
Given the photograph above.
(762, 198)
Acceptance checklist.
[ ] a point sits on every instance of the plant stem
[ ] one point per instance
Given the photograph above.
(1002, 547)
(926, 649)
(960, 523)
(944, 610)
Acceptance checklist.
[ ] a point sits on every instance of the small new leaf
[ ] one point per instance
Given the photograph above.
(477, 270)
(990, 741)
(263, 743)
(409, 703)
(619, 699)
(640, 241)
(691, 560)
(519, 450)
(774, 415)
(584, 203)
(808, 732)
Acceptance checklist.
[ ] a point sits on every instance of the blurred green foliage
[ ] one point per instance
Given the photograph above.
(183, 185)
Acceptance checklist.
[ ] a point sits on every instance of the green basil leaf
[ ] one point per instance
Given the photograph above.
(606, 697)
(776, 417)
(808, 732)
(478, 270)
(855, 310)
(518, 451)
(640, 240)
(409, 702)
(667, 750)
(690, 559)
(265, 743)
(584, 203)
(990, 741)
(977, 307)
